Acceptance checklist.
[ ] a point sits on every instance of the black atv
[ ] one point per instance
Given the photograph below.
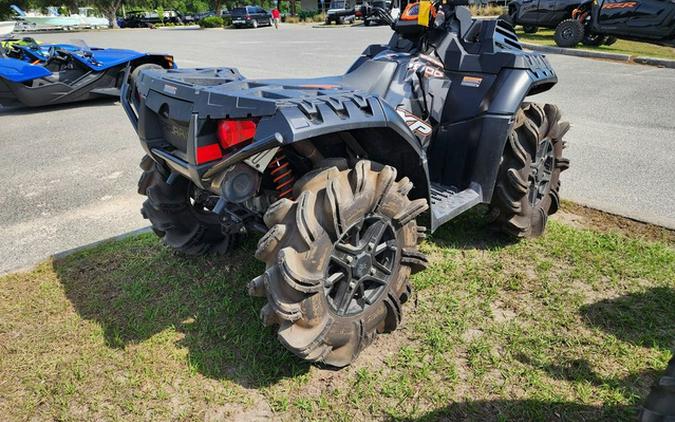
(336, 170)
(603, 21)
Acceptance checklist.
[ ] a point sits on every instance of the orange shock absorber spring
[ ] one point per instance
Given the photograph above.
(282, 175)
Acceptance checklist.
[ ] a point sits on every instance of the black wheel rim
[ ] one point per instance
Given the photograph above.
(361, 266)
(541, 171)
(567, 33)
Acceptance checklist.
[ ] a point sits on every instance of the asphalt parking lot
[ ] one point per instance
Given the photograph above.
(69, 173)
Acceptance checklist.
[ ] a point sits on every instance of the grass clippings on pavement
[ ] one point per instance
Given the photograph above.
(633, 48)
(575, 325)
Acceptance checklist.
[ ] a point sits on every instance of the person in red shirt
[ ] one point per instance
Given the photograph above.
(276, 16)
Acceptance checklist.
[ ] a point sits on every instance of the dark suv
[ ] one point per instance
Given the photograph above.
(250, 16)
(532, 14)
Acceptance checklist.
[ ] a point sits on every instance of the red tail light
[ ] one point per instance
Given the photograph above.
(208, 153)
(233, 132)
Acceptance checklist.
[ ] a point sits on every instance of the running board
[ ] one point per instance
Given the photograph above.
(447, 204)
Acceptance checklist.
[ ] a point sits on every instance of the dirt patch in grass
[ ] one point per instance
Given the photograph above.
(575, 325)
(579, 216)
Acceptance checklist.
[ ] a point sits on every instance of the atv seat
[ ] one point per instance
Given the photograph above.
(373, 76)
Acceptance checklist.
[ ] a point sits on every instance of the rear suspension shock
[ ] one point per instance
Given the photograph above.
(282, 175)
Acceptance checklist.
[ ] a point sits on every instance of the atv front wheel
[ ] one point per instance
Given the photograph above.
(338, 260)
(528, 182)
(179, 214)
(568, 33)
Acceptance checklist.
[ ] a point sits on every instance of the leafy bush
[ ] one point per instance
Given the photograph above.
(491, 10)
(307, 15)
(211, 22)
(292, 19)
(319, 17)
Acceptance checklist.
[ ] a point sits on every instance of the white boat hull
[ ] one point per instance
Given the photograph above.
(6, 27)
(51, 21)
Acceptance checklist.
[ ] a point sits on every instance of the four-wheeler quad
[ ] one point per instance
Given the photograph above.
(595, 22)
(337, 170)
(38, 75)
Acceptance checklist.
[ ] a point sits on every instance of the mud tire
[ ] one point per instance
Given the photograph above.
(174, 218)
(297, 252)
(568, 33)
(512, 209)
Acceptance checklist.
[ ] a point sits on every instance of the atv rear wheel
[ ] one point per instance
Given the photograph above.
(178, 213)
(569, 33)
(528, 182)
(338, 260)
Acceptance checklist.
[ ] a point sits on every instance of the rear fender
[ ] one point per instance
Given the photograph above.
(378, 129)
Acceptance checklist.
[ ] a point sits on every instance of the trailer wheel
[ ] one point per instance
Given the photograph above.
(178, 217)
(528, 181)
(569, 33)
(338, 260)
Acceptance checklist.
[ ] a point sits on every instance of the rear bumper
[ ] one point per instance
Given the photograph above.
(181, 158)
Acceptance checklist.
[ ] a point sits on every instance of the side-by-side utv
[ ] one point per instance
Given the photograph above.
(336, 171)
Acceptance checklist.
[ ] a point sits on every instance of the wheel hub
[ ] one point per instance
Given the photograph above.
(541, 170)
(361, 265)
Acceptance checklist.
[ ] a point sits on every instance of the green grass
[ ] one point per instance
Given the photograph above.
(573, 325)
(633, 48)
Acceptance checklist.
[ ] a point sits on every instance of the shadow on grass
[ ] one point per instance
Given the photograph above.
(471, 230)
(645, 319)
(137, 288)
(528, 410)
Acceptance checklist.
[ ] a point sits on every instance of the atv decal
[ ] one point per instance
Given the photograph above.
(432, 72)
(429, 70)
(431, 60)
(622, 5)
(415, 124)
(472, 81)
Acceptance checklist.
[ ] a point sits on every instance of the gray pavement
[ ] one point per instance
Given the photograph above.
(69, 173)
